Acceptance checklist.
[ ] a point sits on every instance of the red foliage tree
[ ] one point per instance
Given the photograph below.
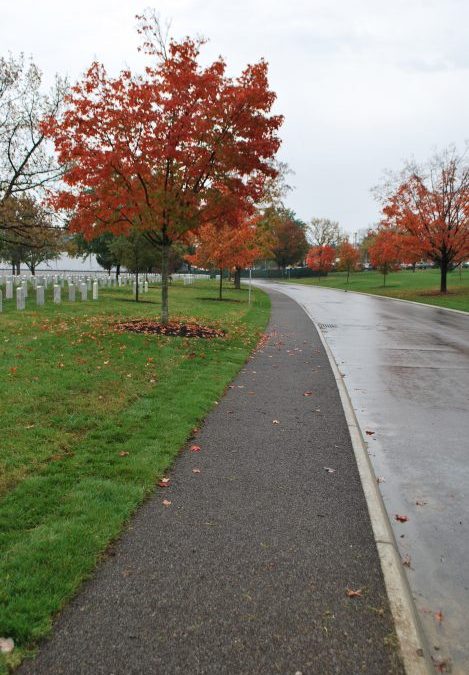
(386, 252)
(321, 259)
(349, 257)
(432, 206)
(228, 247)
(167, 151)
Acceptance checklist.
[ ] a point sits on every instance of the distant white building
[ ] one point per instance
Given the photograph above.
(64, 263)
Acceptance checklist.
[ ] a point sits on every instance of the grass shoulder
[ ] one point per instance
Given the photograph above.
(419, 286)
(91, 419)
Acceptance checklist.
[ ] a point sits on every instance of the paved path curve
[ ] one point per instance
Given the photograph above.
(246, 571)
(406, 368)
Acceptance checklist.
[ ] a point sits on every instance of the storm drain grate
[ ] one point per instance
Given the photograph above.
(327, 325)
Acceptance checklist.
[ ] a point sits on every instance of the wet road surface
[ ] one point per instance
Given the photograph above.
(406, 368)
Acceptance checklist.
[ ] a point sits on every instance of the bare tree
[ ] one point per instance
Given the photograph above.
(27, 164)
(324, 232)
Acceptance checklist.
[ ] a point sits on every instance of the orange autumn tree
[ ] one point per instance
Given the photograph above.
(431, 204)
(228, 248)
(166, 151)
(386, 251)
(349, 257)
(321, 259)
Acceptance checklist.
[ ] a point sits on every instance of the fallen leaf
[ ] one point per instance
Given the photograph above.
(195, 448)
(406, 560)
(401, 519)
(369, 433)
(275, 422)
(164, 482)
(380, 479)
(308, 393)
(441, 666)
(420, 502)
(166, 502)
(439, 616)
(6, 645)
(328, 469)
(195, 470)
(354, 594)
(123, 453)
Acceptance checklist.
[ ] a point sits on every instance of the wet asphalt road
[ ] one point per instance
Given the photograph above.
(247, 570)
(406, 369)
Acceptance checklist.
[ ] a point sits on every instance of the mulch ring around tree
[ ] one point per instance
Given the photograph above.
(172, 328)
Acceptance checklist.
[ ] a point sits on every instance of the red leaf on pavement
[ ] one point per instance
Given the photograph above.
(195, 448)
(164, 482)
(308, 393)
(354, 594)
(166, 502)
(439, 616)
(369, 433)
(401, 519)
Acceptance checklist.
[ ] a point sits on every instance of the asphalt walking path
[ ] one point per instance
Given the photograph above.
(247, 570)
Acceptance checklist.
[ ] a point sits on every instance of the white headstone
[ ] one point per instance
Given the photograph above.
(84, 290)
(9, 289)
(20, 299)
(57, 291)
(1, 301)
(95, 290)
(24, 284)
(39, 295)
(146, 287)
(71, 292)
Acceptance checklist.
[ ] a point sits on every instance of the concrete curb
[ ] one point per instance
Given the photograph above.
(413, 646)
(386, 297)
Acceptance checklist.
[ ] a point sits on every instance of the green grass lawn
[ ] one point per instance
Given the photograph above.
(420, 286)
(91, 419)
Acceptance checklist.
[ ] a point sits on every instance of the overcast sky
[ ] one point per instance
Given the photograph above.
(363, 84)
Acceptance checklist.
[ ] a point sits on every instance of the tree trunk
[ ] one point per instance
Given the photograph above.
(348, 273)
(384, 279)
(443, 275)
(221, 285)
(164, 283)
(136, 286)
(237, 278)
(118, 271)
(32, 267)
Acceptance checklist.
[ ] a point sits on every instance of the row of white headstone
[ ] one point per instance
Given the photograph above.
(22, 294)
(75, 283)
